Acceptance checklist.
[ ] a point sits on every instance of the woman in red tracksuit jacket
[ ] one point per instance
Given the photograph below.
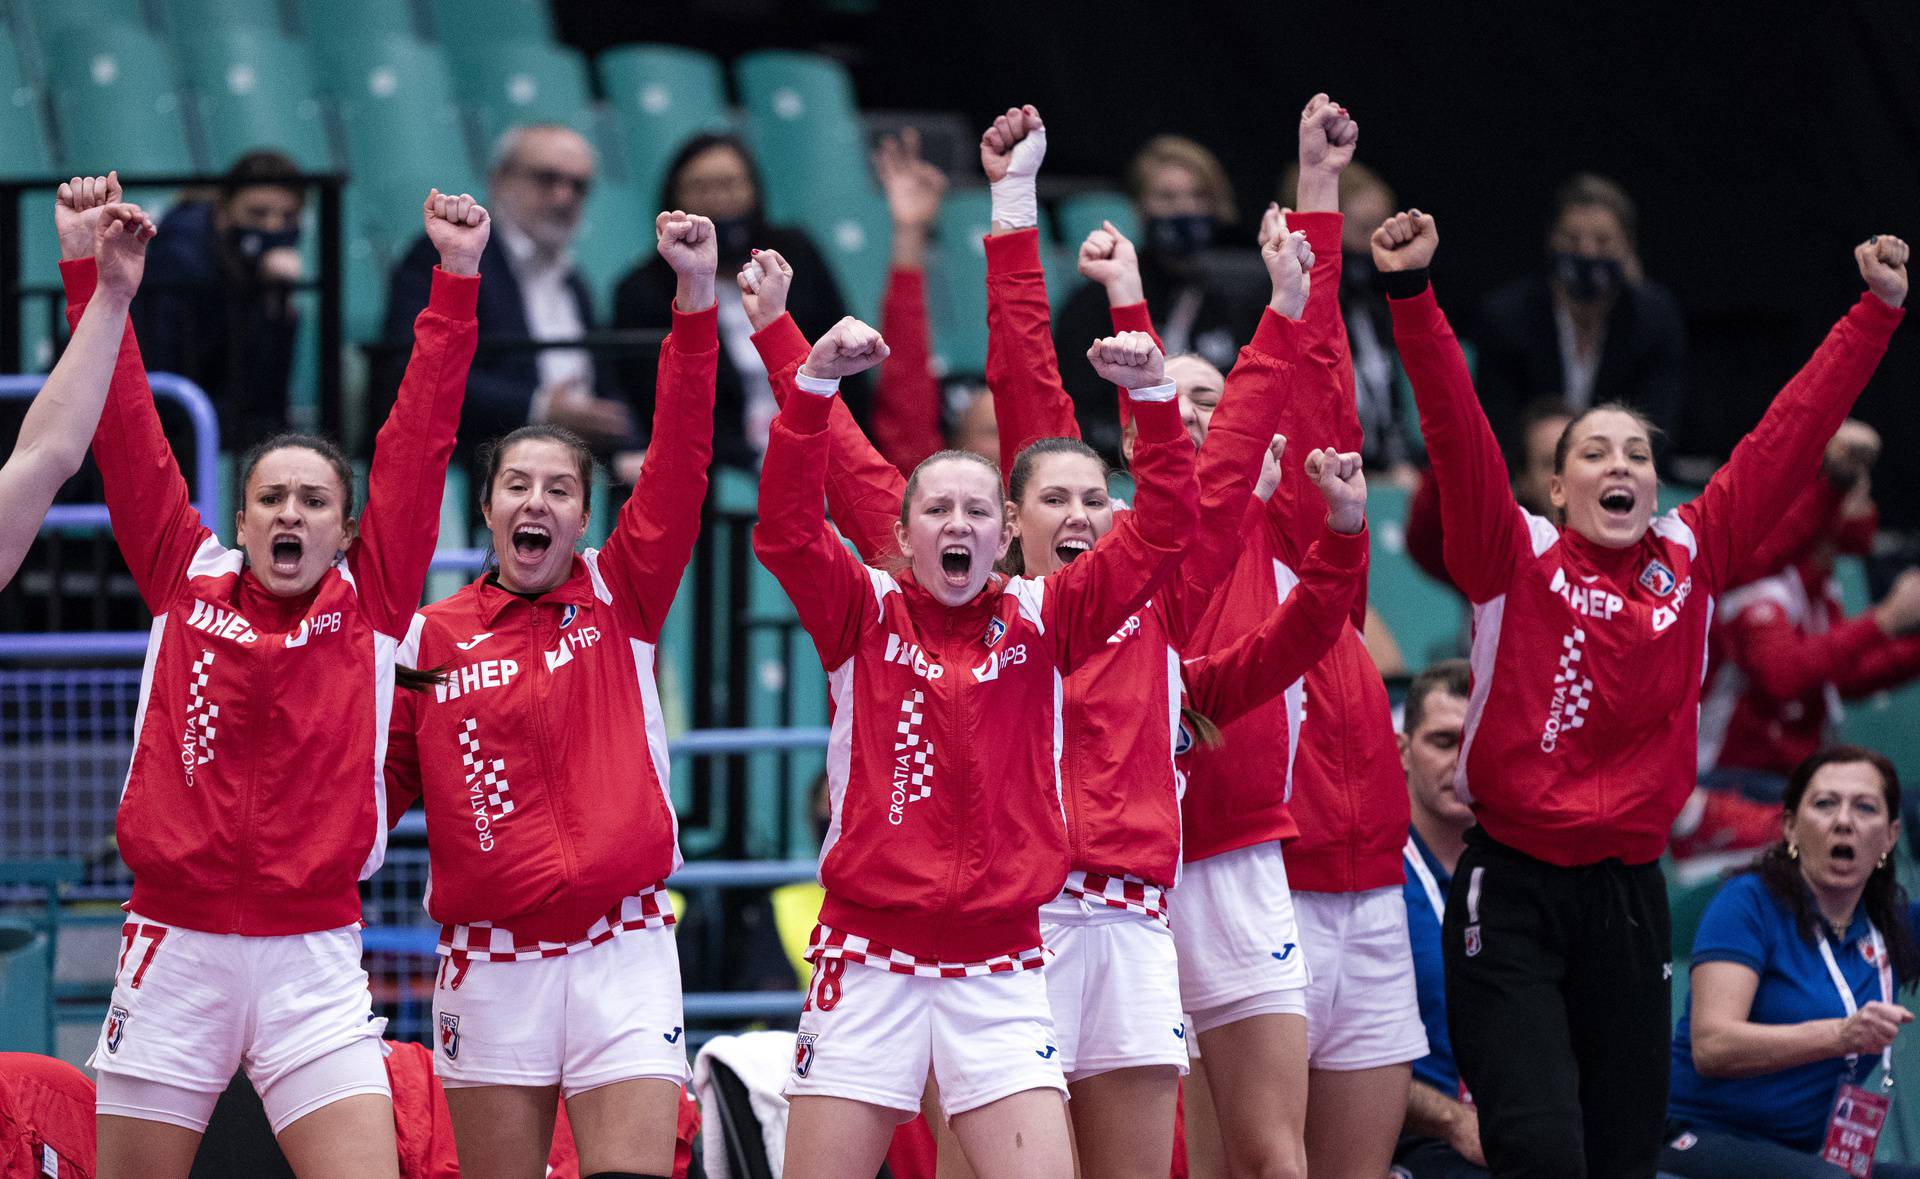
(252, 809)
(549, 837)
(1589, 637)
(944, 775)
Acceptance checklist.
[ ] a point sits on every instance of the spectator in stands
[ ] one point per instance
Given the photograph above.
(537, 187)
(1530, 467)
(1592, 328)
(1184, 200)
(714, 177)
(906, 419)
(218, 306)
(970, 405)
(1442, 1135)
(1795, 969)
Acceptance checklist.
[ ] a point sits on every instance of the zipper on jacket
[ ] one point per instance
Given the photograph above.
(261, 679)
(961, 700)
(537, 707)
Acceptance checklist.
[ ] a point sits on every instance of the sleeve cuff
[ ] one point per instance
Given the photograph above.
(1275, 336)
(79, 277)
(1344, 551)
(781, 343)
(1877, 313)
(807, 415)
(1131, 317)
(907, 282)
(455, 296)
(818, 386)
(1165, 391)
(1405, 284)
(1322, 230)
(1158, 421)
(1019, 250)
(696, 331)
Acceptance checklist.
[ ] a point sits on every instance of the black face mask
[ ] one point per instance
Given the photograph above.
(252, 244)
(1180, 236)
(734, 235)
(1586, 278)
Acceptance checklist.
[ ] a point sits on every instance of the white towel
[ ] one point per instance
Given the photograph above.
(762, 1061)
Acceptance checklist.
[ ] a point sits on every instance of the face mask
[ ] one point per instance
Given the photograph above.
(733, 236)
(1586, 278)
(251, 244)
(1182, 236)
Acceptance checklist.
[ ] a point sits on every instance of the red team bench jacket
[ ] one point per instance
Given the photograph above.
(1587, 661)
(543, 758)
(946, 834)
(254, 803)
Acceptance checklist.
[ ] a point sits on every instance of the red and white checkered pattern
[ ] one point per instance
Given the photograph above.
(200, 713)
(831, 943)
(487, 774)
(1119, 892)
(481, 942)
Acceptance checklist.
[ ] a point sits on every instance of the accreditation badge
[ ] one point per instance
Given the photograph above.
(1853, 1129)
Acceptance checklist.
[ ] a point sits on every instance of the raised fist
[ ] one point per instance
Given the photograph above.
(1883, 263)
(1327, 136)
(1130, 360)
(1108, 258)
(458, 227)
(1269, 480)
(687, 242)
(1405, 241)
(120, 248)
(913, 186)
(77, 212)
(1289, 261)
(764, 283)
(1342, 485)
(849, 347)
(1899, 612)
(1852, 451)
(1014, 145)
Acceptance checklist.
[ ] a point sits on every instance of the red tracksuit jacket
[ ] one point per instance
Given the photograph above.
(906, 397)
(543, 758)
(944, 765)
(253, 804)
(1581, 731)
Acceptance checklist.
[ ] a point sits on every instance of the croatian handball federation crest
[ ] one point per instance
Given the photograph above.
(1657, 578)
(116, 1026)
(803, 1054)
(996, 630)
(450, 1035)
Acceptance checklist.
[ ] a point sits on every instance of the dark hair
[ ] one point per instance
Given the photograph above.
(259, 168)
(493, 451)
(326, 448)
(698, 145)
(1565, 444)
(1015, 563)
(1451, 676)
(1884, 900)
(1590, 190)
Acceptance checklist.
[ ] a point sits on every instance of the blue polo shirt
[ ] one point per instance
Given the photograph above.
(1744, 923)
(1436, 1068)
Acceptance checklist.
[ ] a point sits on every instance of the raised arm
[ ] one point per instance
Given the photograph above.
(1846, 475)
(61, 421)
(1484, 529)
(408, 479)
(1085, 603)
(653, 538)
(1746, 497)
(906, 399)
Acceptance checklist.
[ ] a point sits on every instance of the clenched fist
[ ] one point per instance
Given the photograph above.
(687, 242)
(1130, 360)
(1108, 258)
(764, 283)
(1289, 261)
(1405, 241)
(458, 227)
(77, 212)
(1269, 481)
(1328, 135)
(1883, 263)
(120, 249)
(1342, 485)
(1014, 145)
(849, 347)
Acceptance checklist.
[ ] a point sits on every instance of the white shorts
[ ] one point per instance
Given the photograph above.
(191, 1008)
(1362, 1010)
(868, 1034)
(1239, 947)
(604, 1014)
(1114, 988)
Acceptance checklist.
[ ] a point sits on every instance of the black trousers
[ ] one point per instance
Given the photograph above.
(1558, 1000)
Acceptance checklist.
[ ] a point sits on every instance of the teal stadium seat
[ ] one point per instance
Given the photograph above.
(508, 83)
(23, 136)
(188, 20)
(254, 88)
(1426, 618)
(957, 287)
(613, 237)
(662, 96)
(805, 128)
(464, 24)
(398, 111)
(1077, 216)
(331, 24)
(51, 17)
(114, 100)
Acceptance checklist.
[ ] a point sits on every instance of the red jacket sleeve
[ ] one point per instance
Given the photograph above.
(1085, 603)
(1028, 400)
(653, 538)
(1245, 674)
(1425, 538)
(1887, 664)
(831, 591)
(1813, 510)
(1747, 497)
(863, 489)
(401, 522)
(906, 410)
(1482, 526)
(402, 763)
(153, 520)
(1132, 317)
(1784, 663)
(1229, 465)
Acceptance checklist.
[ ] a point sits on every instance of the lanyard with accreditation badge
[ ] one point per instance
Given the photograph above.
(1854, 1125)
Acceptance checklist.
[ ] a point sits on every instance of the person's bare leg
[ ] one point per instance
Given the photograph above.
(949, 1161)
(1354, 1120)
(1205, 1159)
(134, 1148)
(1123, 1122)
(1021, 1136)
(832, 1137)
(351, 1138)
(1257, 1075)
(626, 1126)
(503, 1131)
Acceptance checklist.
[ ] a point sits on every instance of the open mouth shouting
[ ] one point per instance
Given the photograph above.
(1843, 852)
(956, 564)
(1071, 547)
(1618, 502)
(288, 548)
(531, 542)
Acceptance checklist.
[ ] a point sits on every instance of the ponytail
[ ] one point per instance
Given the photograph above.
(419, 679)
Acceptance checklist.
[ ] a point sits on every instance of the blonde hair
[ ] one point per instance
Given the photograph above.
(1178, 151)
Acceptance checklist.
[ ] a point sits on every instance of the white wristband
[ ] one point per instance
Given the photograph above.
(1161, 392)
(824, 386)
(1016, 198)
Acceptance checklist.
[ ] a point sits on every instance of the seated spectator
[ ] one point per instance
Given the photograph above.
(537, 189)
(1183, 198)
(1795, 969)
(1590, 329)
(714, 176)
(1530, 470)
(217, 307)
(970, 412)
